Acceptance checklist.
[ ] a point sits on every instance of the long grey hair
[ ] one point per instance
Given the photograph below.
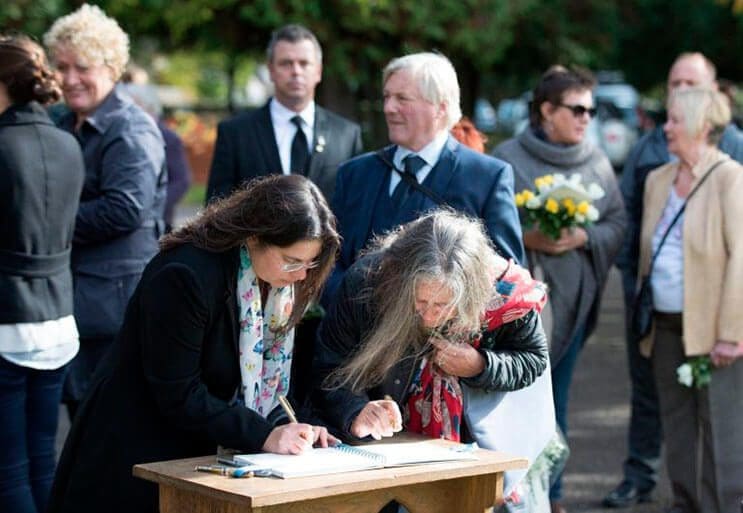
(441, 246)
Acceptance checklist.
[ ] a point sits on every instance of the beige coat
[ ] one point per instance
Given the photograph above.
(713, 250)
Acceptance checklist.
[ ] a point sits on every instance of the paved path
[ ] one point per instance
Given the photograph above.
(599, 413)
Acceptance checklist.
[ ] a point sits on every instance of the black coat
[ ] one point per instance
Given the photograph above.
(41, 175)
(166, 390)
(246, 148)
(516, 353)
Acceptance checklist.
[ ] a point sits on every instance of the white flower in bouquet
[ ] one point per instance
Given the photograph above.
(559, 202)
(593, 214)
(561, 188)
(684, 375)
(533, 202)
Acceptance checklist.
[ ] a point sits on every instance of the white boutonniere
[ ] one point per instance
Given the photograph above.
(696, 372)
(320, 146)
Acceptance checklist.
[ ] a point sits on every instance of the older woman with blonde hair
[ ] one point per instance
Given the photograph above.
(123, 197)
(692, 248)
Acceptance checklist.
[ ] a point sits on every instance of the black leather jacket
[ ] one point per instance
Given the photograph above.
(516, 353)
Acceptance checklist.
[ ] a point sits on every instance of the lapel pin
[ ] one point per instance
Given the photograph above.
(320, 146)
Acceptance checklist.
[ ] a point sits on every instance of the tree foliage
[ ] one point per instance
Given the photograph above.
(498, 46)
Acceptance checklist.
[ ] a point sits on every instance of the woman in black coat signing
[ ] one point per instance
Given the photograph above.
(206, 347)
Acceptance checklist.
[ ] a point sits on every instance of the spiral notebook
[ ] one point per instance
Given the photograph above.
(348, 458)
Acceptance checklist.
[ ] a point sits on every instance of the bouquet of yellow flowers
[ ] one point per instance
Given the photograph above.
(559, 202)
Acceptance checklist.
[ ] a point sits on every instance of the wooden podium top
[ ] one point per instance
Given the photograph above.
(259, 492)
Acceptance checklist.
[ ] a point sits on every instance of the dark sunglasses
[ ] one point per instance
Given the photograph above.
(579, 110)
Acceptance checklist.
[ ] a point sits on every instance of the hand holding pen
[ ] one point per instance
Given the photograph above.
(295, 438)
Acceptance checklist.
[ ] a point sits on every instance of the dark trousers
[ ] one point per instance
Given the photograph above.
(81, 369)
(644, 437)
(562, 377)
(29, 402)
(704, 445)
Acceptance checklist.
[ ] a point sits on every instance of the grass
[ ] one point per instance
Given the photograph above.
(195, 195)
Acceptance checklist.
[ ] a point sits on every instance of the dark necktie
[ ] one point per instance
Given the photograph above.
(413, 163)
(300, 155)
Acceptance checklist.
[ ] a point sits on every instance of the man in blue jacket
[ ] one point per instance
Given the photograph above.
(651, 152)
(423, 168)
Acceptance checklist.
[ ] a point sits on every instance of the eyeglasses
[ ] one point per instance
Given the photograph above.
(579, 110)
(298, 266)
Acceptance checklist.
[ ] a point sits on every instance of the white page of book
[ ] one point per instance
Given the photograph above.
(346, 458)
(312, 462)
(410, 453)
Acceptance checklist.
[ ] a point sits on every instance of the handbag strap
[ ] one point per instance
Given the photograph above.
(681, 211)
(410, 180)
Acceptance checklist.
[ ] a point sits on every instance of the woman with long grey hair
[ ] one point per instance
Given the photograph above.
(429, 307)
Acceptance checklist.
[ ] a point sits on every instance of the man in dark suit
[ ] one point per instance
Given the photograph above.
(421, 104)
(276, 138)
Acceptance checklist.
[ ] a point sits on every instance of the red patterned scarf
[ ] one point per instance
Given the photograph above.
(434, 407)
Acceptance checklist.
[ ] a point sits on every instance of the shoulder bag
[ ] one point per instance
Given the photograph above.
(642, 307)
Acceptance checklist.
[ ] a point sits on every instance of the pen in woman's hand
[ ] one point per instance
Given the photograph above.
(288, 409)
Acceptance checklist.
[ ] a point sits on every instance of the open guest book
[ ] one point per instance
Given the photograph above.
(347, 458)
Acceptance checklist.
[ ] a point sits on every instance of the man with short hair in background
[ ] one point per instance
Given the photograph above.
(651, 151)
(291, 133)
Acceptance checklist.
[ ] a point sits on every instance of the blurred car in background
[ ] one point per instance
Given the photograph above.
(616, 135)
(512, 112)
(485, 118)
(613, 90)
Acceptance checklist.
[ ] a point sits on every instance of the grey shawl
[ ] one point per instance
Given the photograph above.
(576, 279)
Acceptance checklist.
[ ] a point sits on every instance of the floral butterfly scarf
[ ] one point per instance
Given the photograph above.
(265, 354)
(435, 405)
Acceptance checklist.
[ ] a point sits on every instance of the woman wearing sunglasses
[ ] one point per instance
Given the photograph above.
(576, 264)
(205, 350)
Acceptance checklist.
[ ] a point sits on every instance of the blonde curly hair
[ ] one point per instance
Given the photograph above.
(93, 36)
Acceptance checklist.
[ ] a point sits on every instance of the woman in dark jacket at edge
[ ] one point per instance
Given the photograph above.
(206, 347)
(41, 174)
(431, 305)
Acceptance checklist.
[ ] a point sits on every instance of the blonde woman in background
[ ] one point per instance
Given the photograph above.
(697, 283)
(123, 197)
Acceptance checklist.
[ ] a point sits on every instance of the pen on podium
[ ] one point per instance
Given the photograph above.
(288, 409)
(224, 471)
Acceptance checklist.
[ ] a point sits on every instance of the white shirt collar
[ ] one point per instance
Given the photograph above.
(282, 115)
(284, 130)
(430, 152)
